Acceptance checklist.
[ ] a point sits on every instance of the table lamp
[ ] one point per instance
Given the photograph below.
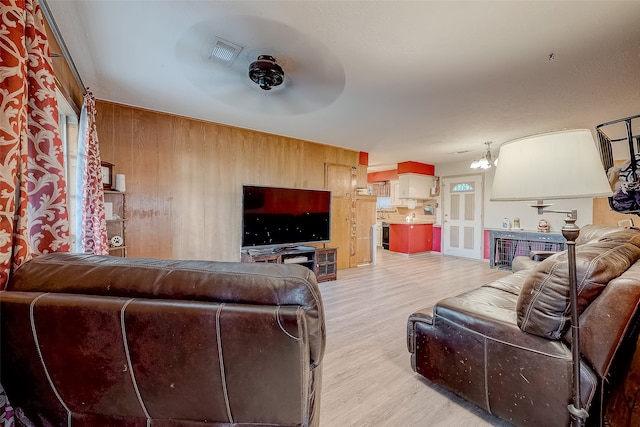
(555, 165)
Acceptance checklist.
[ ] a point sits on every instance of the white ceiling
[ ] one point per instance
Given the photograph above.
(401, 80)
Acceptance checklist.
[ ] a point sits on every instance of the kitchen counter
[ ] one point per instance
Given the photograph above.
(410, 237)
(417, 221)
(401, 218)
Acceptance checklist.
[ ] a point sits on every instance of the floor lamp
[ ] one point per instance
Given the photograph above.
(556, 165)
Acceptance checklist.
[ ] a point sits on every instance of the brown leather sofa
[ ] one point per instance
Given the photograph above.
(104, 341)
(506, 346)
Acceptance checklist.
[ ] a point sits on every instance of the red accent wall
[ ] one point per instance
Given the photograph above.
(416, 167)
(364, 159)
(437, 239)
(389, 175)
(487, 241)
(403, 167)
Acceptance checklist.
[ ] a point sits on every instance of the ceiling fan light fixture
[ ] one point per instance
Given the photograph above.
(485, 161)
(265, 72)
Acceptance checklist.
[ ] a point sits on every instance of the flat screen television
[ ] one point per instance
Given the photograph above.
(278, 216)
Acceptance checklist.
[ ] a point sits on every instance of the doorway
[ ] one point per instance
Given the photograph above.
(462, 216)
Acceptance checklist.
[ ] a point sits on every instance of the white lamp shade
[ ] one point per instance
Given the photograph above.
(554, 165)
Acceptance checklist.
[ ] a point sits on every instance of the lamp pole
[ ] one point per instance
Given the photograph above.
(570, 231)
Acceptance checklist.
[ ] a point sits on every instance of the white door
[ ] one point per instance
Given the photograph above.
(462, 218)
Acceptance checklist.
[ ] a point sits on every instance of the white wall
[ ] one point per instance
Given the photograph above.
(494, 212)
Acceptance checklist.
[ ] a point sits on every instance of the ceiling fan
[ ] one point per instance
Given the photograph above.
(266, 72)
(260, 65)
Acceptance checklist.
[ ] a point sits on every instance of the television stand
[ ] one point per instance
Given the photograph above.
(322, 261)
(258, 252)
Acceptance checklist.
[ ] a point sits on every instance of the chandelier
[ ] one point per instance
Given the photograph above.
(486, 161)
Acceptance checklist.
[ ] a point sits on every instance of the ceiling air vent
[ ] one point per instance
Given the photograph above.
(224, 52)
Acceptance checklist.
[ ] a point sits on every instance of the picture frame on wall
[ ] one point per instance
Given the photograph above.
(107, 175)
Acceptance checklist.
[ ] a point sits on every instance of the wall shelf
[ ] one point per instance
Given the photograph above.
(116, 226)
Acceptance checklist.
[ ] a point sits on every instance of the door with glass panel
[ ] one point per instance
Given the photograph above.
(462, 216)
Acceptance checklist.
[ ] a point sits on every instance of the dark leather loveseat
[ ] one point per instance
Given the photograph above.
(506, 346)
(103, 341)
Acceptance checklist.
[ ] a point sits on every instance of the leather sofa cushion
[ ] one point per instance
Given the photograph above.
(593, 233)
(543, 305)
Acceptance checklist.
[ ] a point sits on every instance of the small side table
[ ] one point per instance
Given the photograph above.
(507, 244)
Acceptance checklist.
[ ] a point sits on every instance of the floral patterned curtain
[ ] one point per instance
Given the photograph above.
(33, 210)
(93, 225)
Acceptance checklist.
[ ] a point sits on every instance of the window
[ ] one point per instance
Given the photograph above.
(383, 202)
(68, 119)
(462, 187)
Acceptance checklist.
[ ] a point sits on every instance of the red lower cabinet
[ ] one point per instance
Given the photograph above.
(410, 238)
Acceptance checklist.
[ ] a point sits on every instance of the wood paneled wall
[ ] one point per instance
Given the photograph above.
(184, 177)
(65, 80)
(604, 215)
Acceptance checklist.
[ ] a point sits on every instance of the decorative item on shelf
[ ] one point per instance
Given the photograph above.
(543, 226)
(435, 190)
(120, 183)
(506, 224)
(516, 223)
(556, 165)
(116, 241)
(107, 175)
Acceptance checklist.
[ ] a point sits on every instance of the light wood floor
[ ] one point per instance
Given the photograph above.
(367, 377)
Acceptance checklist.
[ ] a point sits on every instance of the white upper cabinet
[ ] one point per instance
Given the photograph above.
(415, 186)
(395, 192)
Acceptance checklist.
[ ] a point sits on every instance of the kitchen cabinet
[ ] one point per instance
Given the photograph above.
(410, 238)
(366, 215)
(415, 186)
(341, 182)
(394, 190)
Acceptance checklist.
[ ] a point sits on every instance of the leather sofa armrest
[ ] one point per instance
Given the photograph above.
(522, 262)
(424, 315)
